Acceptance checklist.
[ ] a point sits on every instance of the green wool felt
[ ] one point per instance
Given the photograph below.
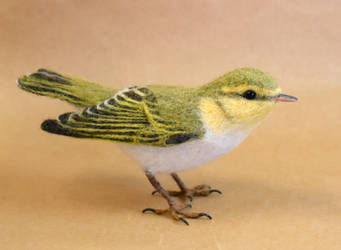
(73, 90)
(150, 115)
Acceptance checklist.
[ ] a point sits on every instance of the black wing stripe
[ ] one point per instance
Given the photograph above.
(131, 116)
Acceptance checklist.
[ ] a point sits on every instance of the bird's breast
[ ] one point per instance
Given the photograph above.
(220, 138)
(187, 155)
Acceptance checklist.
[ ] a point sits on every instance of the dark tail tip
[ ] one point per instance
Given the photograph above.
(47, 75)
(53, 126)
(42, 70)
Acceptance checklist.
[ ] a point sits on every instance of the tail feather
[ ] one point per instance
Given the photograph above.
(66, 88)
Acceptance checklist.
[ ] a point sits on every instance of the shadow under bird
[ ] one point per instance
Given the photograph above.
(167, 129)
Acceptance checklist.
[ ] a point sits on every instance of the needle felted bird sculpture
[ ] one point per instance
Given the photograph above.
(167, 129)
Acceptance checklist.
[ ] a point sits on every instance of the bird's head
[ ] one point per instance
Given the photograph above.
(244, 95)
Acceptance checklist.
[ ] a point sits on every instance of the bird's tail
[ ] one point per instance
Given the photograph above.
(66, 88)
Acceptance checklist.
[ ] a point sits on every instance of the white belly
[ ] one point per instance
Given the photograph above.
(187, 155)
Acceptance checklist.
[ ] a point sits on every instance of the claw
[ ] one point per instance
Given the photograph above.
(204, 214)
(154, 192)
(190, 198)
(149, 209)
(184, 221)
(216, 191)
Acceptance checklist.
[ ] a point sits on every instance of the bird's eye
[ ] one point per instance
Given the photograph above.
(249, 94)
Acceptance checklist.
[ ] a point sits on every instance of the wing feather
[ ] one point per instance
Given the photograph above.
(131, 116)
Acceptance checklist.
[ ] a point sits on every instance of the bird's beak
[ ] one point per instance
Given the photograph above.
(284, 98)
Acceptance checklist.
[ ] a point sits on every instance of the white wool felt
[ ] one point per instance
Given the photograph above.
(187, 155)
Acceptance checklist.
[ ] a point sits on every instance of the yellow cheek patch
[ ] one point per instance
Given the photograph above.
(242, 111)
(213, 115)
(227, 113)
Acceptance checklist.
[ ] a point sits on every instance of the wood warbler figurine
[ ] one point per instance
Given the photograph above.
(167, 129)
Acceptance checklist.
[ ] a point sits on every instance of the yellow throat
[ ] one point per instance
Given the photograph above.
(238, 100)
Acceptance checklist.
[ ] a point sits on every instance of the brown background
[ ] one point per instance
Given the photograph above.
(281, 186)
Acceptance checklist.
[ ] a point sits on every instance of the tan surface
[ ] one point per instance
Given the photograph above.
(281, 186)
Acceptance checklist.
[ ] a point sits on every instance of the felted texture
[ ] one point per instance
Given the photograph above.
(75, 91)
(281, 186)
(155, 115)
(187, 155)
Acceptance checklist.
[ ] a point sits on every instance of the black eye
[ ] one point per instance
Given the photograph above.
(249, 94)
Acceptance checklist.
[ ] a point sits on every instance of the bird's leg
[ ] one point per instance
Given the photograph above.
(180, 183)
(199, 190)
(177, 211)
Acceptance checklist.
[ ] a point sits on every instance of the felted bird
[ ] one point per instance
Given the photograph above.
(167, 129)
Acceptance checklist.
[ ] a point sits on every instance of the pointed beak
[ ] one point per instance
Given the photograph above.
(284, 98)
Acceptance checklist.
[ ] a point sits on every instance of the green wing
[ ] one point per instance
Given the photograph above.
(131, 116)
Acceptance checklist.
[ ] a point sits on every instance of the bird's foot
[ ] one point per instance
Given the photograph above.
(178, 212)
(199, 190)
